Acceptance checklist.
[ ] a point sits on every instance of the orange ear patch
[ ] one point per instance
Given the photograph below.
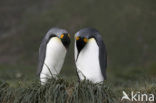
(62, 35)
(85, 40)
(77, 38)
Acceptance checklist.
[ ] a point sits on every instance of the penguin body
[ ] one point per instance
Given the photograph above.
(90, 65)
(52, 53)
(53, 62)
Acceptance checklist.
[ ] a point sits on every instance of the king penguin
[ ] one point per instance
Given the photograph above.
(90, 55)
(52, 52)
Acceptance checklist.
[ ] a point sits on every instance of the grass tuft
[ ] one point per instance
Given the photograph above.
(56, 91)
(62, 91)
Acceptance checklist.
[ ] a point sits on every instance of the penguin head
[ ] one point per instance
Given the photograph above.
(62, 34)
(83, 36)
(65, 38)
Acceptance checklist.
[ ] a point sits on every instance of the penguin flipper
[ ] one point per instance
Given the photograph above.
(102, 55)
(42, 53)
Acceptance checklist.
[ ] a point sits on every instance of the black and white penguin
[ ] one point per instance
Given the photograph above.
(52, 53)
(90, 55)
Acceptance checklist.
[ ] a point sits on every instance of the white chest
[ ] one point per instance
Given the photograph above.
(88, 66)
(54, 59)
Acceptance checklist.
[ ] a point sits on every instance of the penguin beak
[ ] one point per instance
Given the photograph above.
(80, 43)
(65, 38)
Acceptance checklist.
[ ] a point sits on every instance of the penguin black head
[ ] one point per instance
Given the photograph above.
(83, 36)
(60, 33)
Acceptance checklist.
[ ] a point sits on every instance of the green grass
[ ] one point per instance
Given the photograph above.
(26, 87)
(62, 91)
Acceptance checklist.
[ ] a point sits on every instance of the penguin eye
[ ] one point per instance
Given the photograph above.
(85, 40)
(62, 35)
(77, 38)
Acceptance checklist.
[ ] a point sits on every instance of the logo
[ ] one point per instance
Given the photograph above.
(137, 96)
